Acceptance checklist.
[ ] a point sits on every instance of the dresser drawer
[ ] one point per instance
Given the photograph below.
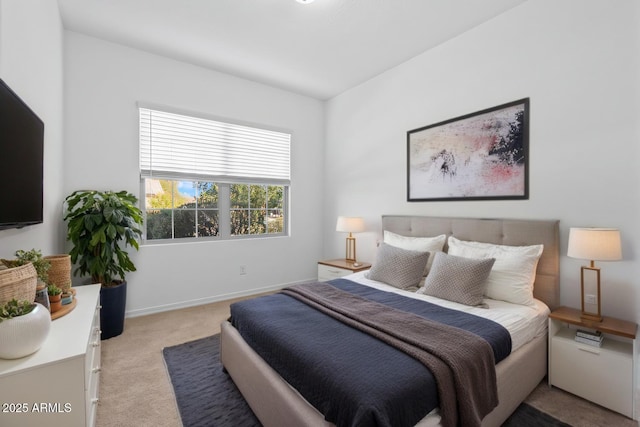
(583, 369)
(91, 401)
(92, 369)
(326, 272)
(92, 358)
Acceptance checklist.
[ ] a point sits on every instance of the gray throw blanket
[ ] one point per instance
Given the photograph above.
(461, 362)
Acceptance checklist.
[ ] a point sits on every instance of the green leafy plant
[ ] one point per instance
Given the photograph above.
(34, 256)
(53, 290)
(15, 308)
(100, 226)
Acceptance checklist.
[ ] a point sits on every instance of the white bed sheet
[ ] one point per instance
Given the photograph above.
(524, 323)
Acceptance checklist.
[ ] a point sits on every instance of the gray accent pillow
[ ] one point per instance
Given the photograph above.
(398, 267)
(458, 279)
(421, 244)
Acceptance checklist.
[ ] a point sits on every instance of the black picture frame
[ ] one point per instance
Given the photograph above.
(479, 156)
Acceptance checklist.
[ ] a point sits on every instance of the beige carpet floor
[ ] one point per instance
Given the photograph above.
(135, 388)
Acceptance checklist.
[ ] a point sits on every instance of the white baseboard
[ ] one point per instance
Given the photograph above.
(209, 300)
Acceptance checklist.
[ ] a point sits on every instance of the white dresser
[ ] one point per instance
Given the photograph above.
(57, 385)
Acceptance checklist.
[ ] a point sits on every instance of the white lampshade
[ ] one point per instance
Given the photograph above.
(595, 244)
(350, 224)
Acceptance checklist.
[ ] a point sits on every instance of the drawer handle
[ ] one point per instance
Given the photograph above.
(94, 401)
(98, 369)
(335, 271)
(588, 350)
(95, 344)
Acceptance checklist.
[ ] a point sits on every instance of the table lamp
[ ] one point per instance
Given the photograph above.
(593, 244)
(350, 225)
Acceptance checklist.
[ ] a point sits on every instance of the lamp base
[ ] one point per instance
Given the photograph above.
(589, 317)
(350, 254)
(594, 274)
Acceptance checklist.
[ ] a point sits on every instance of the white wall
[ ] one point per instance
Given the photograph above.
(31, 64)
(103, 83)
(578, 62)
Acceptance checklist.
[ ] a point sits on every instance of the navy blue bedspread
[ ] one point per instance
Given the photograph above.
(349, 376)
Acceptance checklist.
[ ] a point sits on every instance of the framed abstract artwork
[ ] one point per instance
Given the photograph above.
(478, 156)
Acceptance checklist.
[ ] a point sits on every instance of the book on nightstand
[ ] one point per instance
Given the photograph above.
(591, 338)
(595, 335)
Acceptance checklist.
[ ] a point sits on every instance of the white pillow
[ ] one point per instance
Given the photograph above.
(512, 276)
(420, 244)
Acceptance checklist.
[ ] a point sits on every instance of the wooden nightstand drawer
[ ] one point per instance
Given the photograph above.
(326, 272)
(336, 268)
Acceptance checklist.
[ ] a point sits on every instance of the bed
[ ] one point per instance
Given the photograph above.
(277, 403)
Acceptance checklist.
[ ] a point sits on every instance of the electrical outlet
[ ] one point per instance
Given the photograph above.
(590, 299)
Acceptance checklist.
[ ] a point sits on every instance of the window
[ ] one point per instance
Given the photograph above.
(256, 209)
(181, 209)
(205, 179)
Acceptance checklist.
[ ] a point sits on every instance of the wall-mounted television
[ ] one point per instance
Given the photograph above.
(21, 156)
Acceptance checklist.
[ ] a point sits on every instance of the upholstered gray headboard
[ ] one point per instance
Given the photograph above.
(513, 232)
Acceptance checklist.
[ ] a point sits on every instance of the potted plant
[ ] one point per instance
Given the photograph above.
(55, 298)
(34, 257)
(24, 325)
(41, 266)
(101, 224)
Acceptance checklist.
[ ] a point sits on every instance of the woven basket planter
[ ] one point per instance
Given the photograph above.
(60, 271)
(19, 283)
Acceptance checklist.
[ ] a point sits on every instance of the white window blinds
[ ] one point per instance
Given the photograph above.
(178, 146)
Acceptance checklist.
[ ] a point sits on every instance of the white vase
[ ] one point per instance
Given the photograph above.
(23, 335)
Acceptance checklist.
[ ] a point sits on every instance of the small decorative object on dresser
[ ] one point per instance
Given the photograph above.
(55, 298)
(583, 362)
(34, 256)
(42, 296)
(18, 283)
(24, 325)
(60, 272)
(335, 268)
(66, 297)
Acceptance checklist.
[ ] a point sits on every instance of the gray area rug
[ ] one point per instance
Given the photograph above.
(207, 397)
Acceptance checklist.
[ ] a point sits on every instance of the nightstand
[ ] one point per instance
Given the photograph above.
(604, 375)
(335, 268)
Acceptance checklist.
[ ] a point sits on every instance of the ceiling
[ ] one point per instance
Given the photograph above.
(319, 49)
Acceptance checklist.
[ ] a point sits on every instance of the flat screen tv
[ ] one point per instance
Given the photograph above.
(21, 155)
